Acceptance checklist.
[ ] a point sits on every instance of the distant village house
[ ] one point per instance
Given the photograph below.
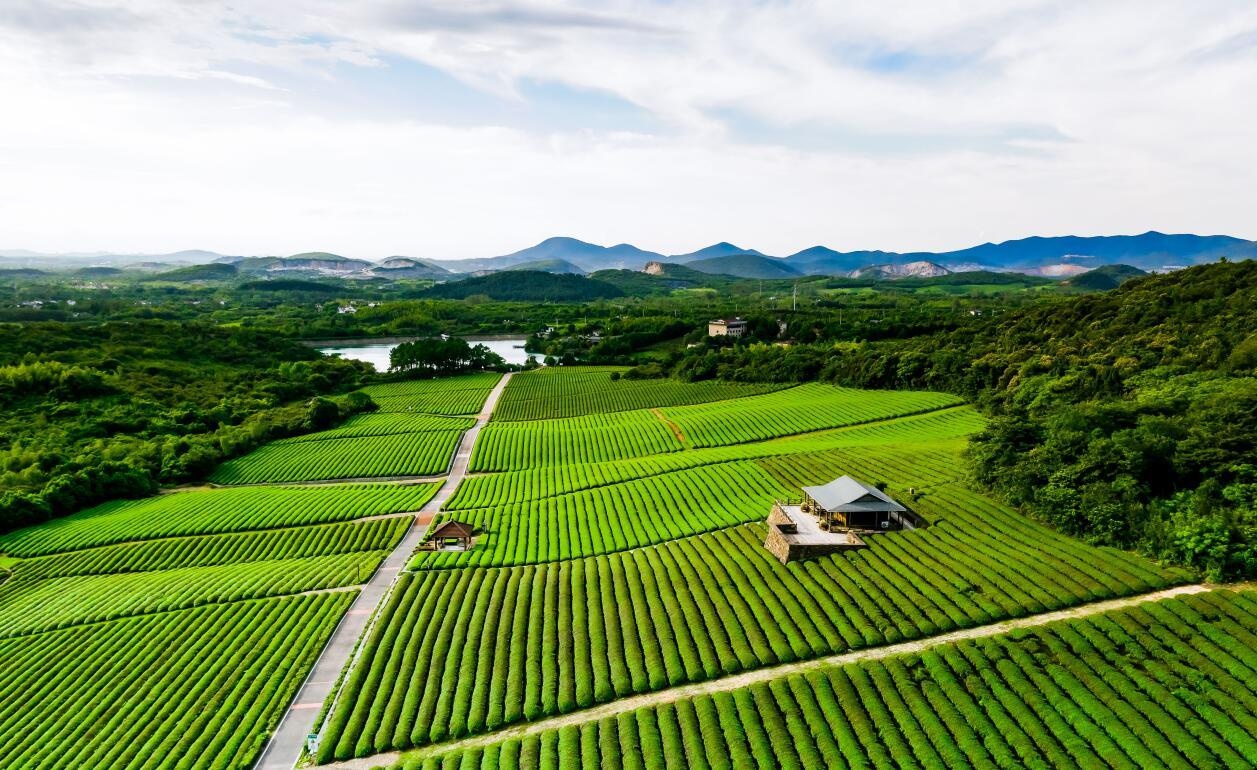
(721, 327)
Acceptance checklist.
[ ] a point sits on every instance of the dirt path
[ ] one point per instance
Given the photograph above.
(756, 676)
(672, 426)
(283, 751)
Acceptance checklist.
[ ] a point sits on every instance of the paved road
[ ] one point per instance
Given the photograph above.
(724, 684)
(284, 749)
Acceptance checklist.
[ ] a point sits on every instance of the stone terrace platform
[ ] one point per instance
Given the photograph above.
(793, 535)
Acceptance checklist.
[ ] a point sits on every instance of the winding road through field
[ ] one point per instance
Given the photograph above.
(722, 684)
(284, 749)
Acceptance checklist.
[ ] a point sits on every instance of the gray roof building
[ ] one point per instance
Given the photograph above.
(852, 503)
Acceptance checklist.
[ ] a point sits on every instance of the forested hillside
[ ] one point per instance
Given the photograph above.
(89, 412)
(1128, 418)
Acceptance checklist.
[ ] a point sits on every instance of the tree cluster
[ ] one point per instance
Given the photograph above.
(436, 357)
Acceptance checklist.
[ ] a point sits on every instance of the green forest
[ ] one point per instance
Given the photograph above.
(89, 412)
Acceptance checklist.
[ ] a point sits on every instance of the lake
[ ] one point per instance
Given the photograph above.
(376, 354)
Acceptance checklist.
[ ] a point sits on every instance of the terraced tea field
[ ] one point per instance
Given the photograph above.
(620, 556)
(183, 514)
(209, 550)
(1165, 685)
(803, 409)
(463, 394)
(546, 394)
(126, 621)
(199, 684)
(412, 434)
(616, 517)
(617, 608)
(586, 631)
(920, 431)
(372, 446)
(505, 446)
(174, 631)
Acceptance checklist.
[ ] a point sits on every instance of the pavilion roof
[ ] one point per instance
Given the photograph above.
(848, 495)
(453, 528)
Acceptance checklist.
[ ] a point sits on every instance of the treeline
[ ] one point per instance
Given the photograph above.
(91, 412)
(1127, 418)
(436, 357)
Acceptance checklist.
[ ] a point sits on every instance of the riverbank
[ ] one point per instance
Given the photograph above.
(377, 351)
(347, 341)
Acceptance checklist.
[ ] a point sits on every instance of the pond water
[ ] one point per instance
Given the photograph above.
(376, 354)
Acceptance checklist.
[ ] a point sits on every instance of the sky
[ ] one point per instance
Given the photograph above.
(471, 128)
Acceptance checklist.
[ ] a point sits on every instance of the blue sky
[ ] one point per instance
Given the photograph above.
(471, 128)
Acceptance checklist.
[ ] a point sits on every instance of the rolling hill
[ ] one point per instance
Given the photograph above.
(722, 249)
(1105, 278)
(410, 267)
(561, 266)
(526, 286)
(211, 271)
(587, 256)
(745, 266)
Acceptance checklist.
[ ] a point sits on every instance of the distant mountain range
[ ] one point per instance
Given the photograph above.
(586, 256)
(1061, 256)
(1057, 256)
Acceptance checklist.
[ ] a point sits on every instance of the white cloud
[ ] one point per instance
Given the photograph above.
(152, 125)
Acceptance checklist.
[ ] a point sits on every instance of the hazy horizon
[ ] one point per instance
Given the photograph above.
(469, 129)
(12, 253)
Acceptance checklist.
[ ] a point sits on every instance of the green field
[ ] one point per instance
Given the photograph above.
(404, 454)
(804, 409)
(551, 393)
(1171, 684)
(616, 517)
(565, 635)
(619, 552)
(920, 431)
(209, 550)
(384, 424)
(463, 394)
(414, 433)
(607, 565)
(612, 436)
(191, 688)
(186, 647)
(173, 631)
(213, 512)
(27, 607)
(505, 446)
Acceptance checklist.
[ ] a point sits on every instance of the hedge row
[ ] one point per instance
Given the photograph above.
(468, 650)
(1167, 685)
(192, 688)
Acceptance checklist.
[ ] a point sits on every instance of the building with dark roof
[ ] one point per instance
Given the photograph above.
(846, 503)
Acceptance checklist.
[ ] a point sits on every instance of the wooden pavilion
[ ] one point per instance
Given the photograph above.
(452, 532)
(846, 503)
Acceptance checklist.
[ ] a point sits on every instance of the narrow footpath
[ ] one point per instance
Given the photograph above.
(754, 676)
(284, 748)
